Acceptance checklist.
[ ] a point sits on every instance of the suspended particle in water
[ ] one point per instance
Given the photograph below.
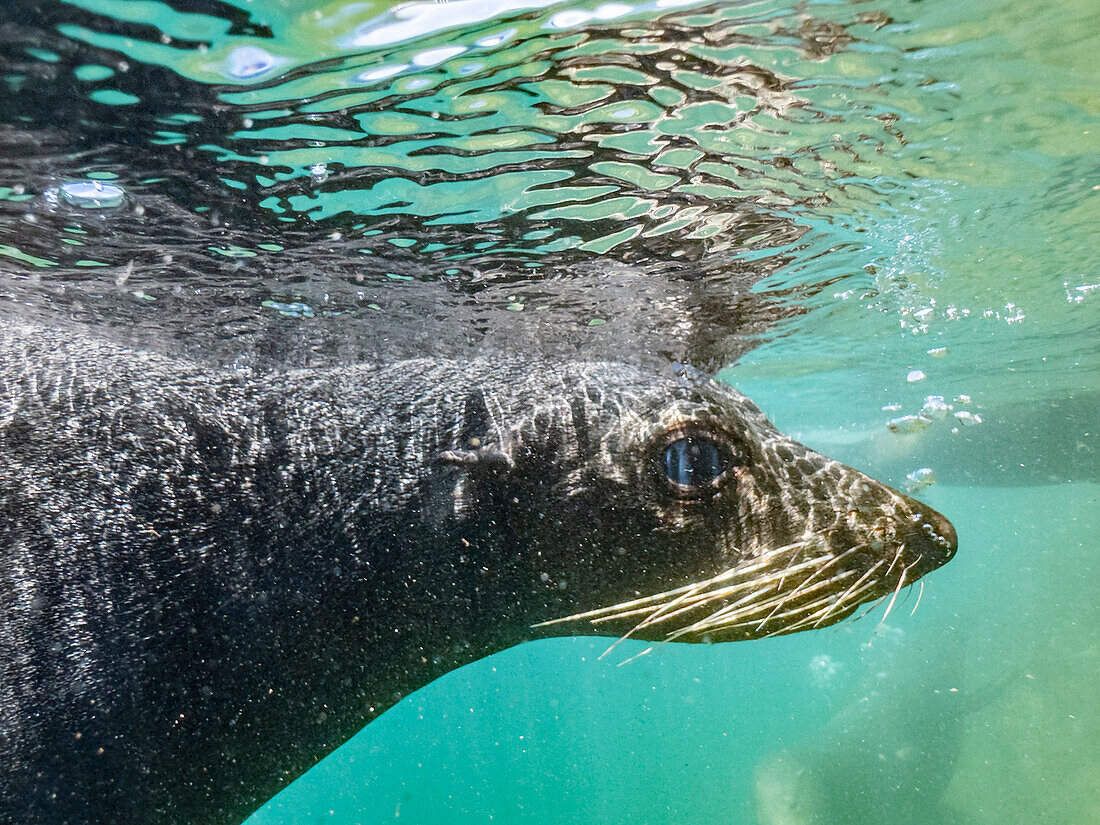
(823, 669)
(919, 479)
(907, 424)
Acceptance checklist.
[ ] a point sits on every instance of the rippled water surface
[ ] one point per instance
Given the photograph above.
(864, 212)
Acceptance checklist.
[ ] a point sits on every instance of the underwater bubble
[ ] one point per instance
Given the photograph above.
(937, 352)
(492, 40)
(967, 418)
(380, 73)
(609, 11)
(114, 97)
(433, 57)
(318, 173)
(914, 376)
(919, 479)
(91, 72)
(935, 408)
(907, 424)
(91, 194)
(295, 309)
(246, 62)
(569, 19)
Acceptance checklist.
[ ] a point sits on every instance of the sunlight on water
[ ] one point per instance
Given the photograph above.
(883, 212)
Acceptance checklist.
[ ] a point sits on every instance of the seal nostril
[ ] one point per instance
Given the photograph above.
(940, 533)
(946, 531)
(933, 536)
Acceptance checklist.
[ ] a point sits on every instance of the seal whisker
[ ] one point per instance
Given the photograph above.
(865, 609)
(757, 586)
(759, 590)
(689, 597)
(663, 611)
(893, 561)
(850, 592)
(893, 598)
(749, 605)
(745, 606)
(804, 586)
(638, 655)
(651, 618)
(820, 603)
(811, 610)
(634, 606)
(739, 607)
(725, 618)
(920, 593)
(787, 600)
(794, 627)
(827, 605)
(641, 603)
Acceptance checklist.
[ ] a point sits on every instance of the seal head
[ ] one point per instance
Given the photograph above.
(760, 534)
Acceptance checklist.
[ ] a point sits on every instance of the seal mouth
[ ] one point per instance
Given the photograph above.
(800, 586)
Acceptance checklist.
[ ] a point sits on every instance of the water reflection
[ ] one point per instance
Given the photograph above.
(643, 164)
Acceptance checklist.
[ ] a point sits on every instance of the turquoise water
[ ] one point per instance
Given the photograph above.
(918, 180)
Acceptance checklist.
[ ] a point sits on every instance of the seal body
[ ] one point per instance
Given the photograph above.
(209, 579)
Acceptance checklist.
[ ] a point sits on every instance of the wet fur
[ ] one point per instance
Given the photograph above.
(209, 579)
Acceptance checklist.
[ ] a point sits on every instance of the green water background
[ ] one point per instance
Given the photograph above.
(956, 150)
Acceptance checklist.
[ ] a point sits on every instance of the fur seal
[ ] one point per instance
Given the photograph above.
(209, 579)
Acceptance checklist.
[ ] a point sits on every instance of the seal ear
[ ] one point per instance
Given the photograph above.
(483, 459)
(476, 459)
(469, 468)
(480, 456)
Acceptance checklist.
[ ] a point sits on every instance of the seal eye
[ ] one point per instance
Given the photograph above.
(695, 461)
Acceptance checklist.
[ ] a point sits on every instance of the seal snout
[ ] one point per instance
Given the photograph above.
(932, 538)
